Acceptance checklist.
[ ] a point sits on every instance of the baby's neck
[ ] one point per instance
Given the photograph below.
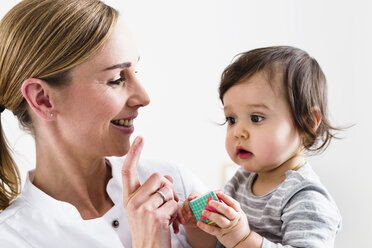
(268, 180)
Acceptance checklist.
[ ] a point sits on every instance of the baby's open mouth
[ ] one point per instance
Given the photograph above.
(243, 151)
(122, 122)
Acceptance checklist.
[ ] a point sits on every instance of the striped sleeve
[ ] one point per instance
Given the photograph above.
(310, 219)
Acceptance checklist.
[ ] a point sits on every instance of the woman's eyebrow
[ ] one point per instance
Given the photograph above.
(119, 66)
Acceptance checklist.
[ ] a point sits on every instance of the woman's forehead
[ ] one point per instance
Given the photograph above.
(118, 51)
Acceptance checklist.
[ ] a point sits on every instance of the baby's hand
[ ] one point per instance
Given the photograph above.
(185, 215)
(231, 222)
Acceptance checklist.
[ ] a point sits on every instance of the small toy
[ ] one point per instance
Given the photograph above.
(202, 202)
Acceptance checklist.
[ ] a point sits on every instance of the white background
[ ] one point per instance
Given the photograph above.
(185, 45)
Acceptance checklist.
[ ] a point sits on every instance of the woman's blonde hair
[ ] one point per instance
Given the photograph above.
(43, 39)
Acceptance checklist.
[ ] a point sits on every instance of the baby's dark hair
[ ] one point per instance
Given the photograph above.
(305, 84)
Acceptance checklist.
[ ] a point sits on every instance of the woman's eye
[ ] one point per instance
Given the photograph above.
(230, 121)
(256, 118)
(117, 82)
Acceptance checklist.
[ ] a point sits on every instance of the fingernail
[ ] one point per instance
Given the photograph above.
(137, 140)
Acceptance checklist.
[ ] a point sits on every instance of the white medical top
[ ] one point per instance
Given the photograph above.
(35, 219)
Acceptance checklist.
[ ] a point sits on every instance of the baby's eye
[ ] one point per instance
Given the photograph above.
(117, 82)
(230, 121)
(256, 118)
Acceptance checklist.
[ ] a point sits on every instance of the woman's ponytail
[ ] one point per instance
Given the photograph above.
(9, 175)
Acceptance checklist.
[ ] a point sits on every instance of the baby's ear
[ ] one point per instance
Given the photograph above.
(315, 118)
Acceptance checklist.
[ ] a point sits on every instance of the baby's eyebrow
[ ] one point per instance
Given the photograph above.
(226, 108)
(259, 105)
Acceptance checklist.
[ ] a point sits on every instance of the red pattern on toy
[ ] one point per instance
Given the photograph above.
(208, 207)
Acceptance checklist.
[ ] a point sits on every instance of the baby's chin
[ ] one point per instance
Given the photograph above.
(250, 166)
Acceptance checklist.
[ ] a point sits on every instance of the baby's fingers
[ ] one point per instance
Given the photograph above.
(192, 196)
(176, 226)
(181, 214)
(223, 209)
(229, 201)
(185, 215)
(213, 230)
(219, 219)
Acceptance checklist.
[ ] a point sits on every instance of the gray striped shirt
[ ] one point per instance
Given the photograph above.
(297, 213)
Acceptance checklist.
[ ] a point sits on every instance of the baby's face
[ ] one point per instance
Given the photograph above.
(261, 135)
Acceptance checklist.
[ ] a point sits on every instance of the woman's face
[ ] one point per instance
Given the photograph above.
(95, 113)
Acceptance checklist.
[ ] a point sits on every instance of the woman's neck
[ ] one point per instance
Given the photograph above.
(79, 181)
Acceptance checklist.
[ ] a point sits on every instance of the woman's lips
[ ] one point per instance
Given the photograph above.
(124, 125)
(125, 129)
(243, 154)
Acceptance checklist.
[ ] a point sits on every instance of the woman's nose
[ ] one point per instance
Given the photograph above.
(139, 97)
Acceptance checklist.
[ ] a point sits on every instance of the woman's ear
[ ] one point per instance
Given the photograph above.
(315, 118)
(36, 93)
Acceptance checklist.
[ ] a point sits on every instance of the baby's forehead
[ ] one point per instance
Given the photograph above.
(273, 75)
(257, 88)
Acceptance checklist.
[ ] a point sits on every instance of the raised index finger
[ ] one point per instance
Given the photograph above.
(129, 171)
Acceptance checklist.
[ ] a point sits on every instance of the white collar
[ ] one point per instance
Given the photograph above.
(64, 210)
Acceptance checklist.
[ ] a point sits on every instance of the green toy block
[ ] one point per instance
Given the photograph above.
(198, 205)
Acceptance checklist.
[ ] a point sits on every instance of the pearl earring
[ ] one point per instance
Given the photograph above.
(51, 114)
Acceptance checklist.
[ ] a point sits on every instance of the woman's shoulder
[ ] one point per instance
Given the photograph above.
(11, 212)
(12, 216)
(10, 239)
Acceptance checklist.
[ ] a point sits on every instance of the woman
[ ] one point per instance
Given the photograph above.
(67, 71)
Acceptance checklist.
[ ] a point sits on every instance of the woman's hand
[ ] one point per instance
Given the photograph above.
(231, 222)
(149, 212)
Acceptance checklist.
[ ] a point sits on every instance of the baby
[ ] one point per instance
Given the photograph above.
(275, 103)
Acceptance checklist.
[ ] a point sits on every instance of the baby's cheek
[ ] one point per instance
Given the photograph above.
(267, 148)
(230, 147)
